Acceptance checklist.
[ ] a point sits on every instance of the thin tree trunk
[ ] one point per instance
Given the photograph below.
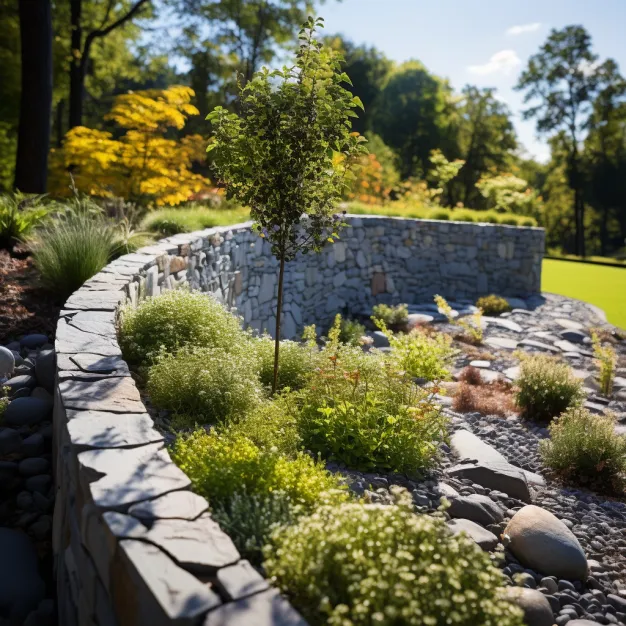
(77, 72)
(33, 140)
(59, 123)
(279, 306)
(604, 231)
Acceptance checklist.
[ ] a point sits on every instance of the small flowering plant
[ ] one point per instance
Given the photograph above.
(278, 154)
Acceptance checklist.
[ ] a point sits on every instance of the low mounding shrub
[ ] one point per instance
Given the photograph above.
(493, 305)
(204, 385)
(584, 448)
(546, 387)
(295, 364)
(358, 565)
(351, 332)
(188, 219)
(391, 316)
(271, 425)
(71, 250)
(173, 319)
(438, 214)
(221, 465)
(250, 519)
(359, 410)
(420, 355)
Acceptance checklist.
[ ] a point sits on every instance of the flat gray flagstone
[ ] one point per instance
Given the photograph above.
(95, 300)
(503, 323)
(97, 429)
(71, 340)
(570, 324)
(544, 334)
(512, 373)
(106, 329)
(175, 505)
(481, 364)
(503, 477)
(539, 345)
(97, 363)
(118, 395)
(501, 342)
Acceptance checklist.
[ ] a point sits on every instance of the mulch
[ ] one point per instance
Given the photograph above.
(25, 306)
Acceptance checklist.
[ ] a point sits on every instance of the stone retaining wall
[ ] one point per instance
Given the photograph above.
(133, 546)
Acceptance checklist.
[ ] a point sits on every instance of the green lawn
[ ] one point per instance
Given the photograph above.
(600, 285)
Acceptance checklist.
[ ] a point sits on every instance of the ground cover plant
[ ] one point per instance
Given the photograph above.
(188, 219)
(585, 449)
(495, 398)
(546, 387)
(352, 332)
(174, 319)
(354, 564)
(19, 215)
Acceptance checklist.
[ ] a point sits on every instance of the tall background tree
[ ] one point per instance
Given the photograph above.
(563, 79)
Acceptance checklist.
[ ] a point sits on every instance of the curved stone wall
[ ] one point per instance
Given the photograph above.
(133, 546)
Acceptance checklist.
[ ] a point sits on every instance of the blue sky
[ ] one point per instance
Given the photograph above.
(483, 42)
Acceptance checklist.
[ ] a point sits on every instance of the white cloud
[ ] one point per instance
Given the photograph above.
(522, 29)
(503, 62)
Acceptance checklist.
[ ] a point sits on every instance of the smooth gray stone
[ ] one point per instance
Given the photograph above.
(537, 610)
(483, 537)
(477, 508)
(118, 395)
(33, 341)
(575, 336)
(7, 362)
(539, 345)
(33, 467)
(40, 483)
(505, 478)
(10, 441)
(19, 382)
(21, 587)
(239, 581)
(33, 445)
(503, 323)
(380, 339)
(27, 412)
(501, 342)
(45, 369)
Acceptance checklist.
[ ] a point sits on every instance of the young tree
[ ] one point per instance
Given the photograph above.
(277, 155)
(563, 78)
(33, 139)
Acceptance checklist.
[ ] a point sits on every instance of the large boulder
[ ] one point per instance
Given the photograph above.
(537, 611)
(542, 542)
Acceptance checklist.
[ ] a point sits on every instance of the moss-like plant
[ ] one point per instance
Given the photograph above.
(221, 465)
(606, 358)
(205, 385)
(174, 319)
(584, 448)
(493, 305)
(546, 387)
(358, 565)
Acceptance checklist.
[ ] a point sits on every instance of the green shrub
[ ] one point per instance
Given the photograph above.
(509, 220)
(351, 332)
(420, 355)
(295, 365)
(221, 465)
(360, 411)
(173, 319)
(71, 250)
(584, 448)
(189, 219)
(392, 316)
(465, 215)
(493, 305)
(204, 385)
(438, 214)
(546, 387)
(358, 565)
(606, 358)
(20, 214)
(488, 217)
(270, 425)
(250, 519)
(528, 221)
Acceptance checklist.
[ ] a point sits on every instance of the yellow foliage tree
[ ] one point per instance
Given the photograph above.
(143, 165)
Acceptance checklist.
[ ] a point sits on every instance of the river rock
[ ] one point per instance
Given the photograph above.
(7, 361)
(480, 509)
(33, 341)
(27, 412)
(537, 611)
(481, 536)
(45, 368)
(542, 542)
(21, 587)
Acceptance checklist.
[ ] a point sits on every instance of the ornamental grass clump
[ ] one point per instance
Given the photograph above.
(358, 565)
(173, 319)
(606, 358)
(546, 387)
(205, 385)
(493, 305)
(359, 410)
(584, 448)
(221, 465)
(419, 355)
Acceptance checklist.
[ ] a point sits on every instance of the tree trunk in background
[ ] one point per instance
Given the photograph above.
(33, 141)
(77, 72)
